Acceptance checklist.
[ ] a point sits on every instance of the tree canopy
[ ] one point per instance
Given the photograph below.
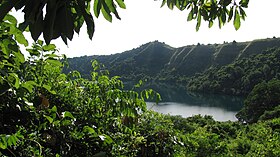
(44, 112)
(62, 18)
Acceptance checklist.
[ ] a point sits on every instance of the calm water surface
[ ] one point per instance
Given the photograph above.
(177, 101)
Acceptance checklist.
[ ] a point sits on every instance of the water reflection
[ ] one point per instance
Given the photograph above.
(177, 101)
(186, 110)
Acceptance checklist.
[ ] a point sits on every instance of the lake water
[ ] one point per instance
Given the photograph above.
(177, 101)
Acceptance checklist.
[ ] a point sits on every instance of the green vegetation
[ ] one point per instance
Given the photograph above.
(240, 77)
(262, 103)
(160, 62)
(144, 62)
(45, 112)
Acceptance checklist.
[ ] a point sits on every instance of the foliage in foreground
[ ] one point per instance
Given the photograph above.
(63, 18)
(45, 112)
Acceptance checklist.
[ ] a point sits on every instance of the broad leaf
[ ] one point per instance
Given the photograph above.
(236, 21)
(49, 47)
(68, 114)
(50, 119)
(97, 7)
(121, 4)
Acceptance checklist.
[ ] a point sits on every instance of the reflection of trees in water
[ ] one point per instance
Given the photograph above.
(176, 93)
(232, 103)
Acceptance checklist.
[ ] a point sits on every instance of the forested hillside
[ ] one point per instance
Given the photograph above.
(146, 60)
(239, 77)
(45, 112)
(161, 62)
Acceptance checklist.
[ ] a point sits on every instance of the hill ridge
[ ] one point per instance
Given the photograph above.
(157, 59)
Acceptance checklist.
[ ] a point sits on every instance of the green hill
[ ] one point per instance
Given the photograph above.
(159, 61)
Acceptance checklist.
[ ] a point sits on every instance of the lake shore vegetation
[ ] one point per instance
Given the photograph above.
(46, 112)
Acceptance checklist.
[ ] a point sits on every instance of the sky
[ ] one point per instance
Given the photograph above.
(143, 21)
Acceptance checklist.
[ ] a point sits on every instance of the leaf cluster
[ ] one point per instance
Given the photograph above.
(210, 10)
(61, 18)
(45, 112)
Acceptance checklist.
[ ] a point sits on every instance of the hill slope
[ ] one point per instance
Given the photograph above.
(156, 60)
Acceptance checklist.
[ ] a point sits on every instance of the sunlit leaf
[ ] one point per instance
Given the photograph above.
(16, 78)
(54, 62)
(11, 19)
(68, 114)
(19, 57)
(40, 42)
(89, 130)
(121, 3)
(106, 13)
(47, 87)
(54, 109)
(49, 47)
(3, 142)
(50, 119)
(21, 39)
(236, 21)
(210, 24)
(29, 85)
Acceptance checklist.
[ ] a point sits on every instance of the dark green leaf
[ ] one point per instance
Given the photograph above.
(88, 18)
(100, 154)
(97, 7)
(198, 21)
(106, 12)
(170, 4)
(49, 20)
(37, 27)
(244, 3)
(242, 12)
(163, 3)
(190, 16)
(230, 14)
(5, 7)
